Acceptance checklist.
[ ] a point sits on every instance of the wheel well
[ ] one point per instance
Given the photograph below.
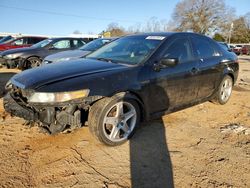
(138, 99)
(232, 76)
(32, 56)
(26, 60)
(129, 94)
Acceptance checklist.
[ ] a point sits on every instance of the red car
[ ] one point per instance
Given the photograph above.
(237, 49)
(20, 42)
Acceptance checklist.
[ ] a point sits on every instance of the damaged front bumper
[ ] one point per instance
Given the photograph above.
(53, 117)
(18, 109)
(11, 63)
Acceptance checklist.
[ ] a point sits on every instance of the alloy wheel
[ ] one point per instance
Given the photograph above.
(119, 121)
(226, 89)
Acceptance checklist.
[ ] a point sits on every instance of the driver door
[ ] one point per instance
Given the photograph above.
(180, 81)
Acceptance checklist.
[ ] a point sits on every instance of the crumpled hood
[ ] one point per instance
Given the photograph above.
(37, 77)
(66, 55)
(17, 50)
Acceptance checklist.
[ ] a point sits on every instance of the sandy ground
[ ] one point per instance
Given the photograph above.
(204, 146)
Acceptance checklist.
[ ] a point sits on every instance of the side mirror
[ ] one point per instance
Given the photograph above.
(166, 62)
(51, 48)
(169, 62)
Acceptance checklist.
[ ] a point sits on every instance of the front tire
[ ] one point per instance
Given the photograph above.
(33, 62)
(224, 91)
(114, 120)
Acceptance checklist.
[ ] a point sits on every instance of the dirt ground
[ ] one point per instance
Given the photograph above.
(204, 146)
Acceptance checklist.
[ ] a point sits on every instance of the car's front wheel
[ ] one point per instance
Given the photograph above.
(114, 120)
(224, 91)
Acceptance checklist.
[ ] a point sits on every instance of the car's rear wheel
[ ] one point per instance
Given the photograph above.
(114, 120)
(225, 90)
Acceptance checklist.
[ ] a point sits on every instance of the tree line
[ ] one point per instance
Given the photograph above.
(208, 17)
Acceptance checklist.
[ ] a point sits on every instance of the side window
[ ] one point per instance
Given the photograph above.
(18, 42)
(204, 48)
(25, 41)
(77, 43)
(31, 40)
(180, 49)
(62, 44)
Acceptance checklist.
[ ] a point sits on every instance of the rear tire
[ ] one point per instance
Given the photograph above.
(224, 91)
(114, 120)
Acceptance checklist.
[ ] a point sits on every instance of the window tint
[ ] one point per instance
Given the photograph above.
(179, 49)
(95, 44)
(77, 43)
(33, 40)
(18, 42)
(62, 44)
(204, 48)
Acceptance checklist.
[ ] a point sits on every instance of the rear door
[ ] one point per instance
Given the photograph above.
(76, 43)
(210, 68)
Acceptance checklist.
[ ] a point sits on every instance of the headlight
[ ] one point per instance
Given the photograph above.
(41, 97)
(11, 56)
(8, 85)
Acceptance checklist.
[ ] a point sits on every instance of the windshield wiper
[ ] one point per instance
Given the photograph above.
(107, 60)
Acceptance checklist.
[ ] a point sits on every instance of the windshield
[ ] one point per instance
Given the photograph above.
(129, 50)
(42, 43)
(6, 39)
(95, 44)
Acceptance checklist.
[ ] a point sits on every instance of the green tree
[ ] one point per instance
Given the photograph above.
(241, 31)
(219, 37)
(115, 30)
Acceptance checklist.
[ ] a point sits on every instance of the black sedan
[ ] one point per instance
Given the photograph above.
(132, 79)
(25, 58)
(78, 53)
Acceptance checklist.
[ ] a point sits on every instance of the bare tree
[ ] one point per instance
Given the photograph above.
(153, 25)
(137, 28)
(77, 32)
(201, 16)
(247, 20)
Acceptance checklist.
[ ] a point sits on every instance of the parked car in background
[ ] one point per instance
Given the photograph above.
(245, 50)
(231, 47)
(25, 58)
(237, 49)
(20, 42)
(75, 54)
(5, 39)
(132, 79)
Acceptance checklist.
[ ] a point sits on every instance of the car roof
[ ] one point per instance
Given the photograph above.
(30, 37)
(62, 38)
(109, 38)
(166, 34)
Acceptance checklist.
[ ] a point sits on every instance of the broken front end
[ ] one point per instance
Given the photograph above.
(55, 112)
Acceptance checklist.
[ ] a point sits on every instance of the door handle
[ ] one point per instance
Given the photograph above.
(194, 70)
